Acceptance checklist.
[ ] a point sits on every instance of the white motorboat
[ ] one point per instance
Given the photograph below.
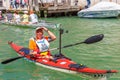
(101, 10)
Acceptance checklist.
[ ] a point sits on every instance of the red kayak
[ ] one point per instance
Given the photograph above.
(61, 64)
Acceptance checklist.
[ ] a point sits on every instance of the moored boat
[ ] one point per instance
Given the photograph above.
(102, 9)
(41, 23)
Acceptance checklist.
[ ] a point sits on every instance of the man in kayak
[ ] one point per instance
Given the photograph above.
(1, 16)
(40, 44)
(33, 18)
(16, 17)
(9, 16)
(25, 18)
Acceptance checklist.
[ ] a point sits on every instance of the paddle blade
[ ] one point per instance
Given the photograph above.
(11, 59)
(94, 39)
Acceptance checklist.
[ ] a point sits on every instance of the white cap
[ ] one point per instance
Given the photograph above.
(25, 11)
(38, 28)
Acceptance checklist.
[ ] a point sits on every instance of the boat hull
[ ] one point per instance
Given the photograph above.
(40, 24)
(102, 9)
(99, 14)
(61, 64)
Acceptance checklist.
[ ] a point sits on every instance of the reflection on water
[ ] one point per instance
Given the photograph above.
(102, 55)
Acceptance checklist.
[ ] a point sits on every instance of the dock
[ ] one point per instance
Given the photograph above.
(43, 9)
(58, 10)
(48, 8)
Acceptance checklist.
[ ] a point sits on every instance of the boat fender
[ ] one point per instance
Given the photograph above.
(77, 66)
(25, 50)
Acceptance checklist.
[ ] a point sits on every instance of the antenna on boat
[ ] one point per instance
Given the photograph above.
(61, 31)
(60, 55)
(60, 39)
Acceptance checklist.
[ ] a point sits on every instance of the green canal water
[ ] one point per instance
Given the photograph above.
(101, 55)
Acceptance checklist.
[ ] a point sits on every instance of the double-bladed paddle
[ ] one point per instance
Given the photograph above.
(11, 59)
(90, 40)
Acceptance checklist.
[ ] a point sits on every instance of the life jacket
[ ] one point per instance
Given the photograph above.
(42, 44)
